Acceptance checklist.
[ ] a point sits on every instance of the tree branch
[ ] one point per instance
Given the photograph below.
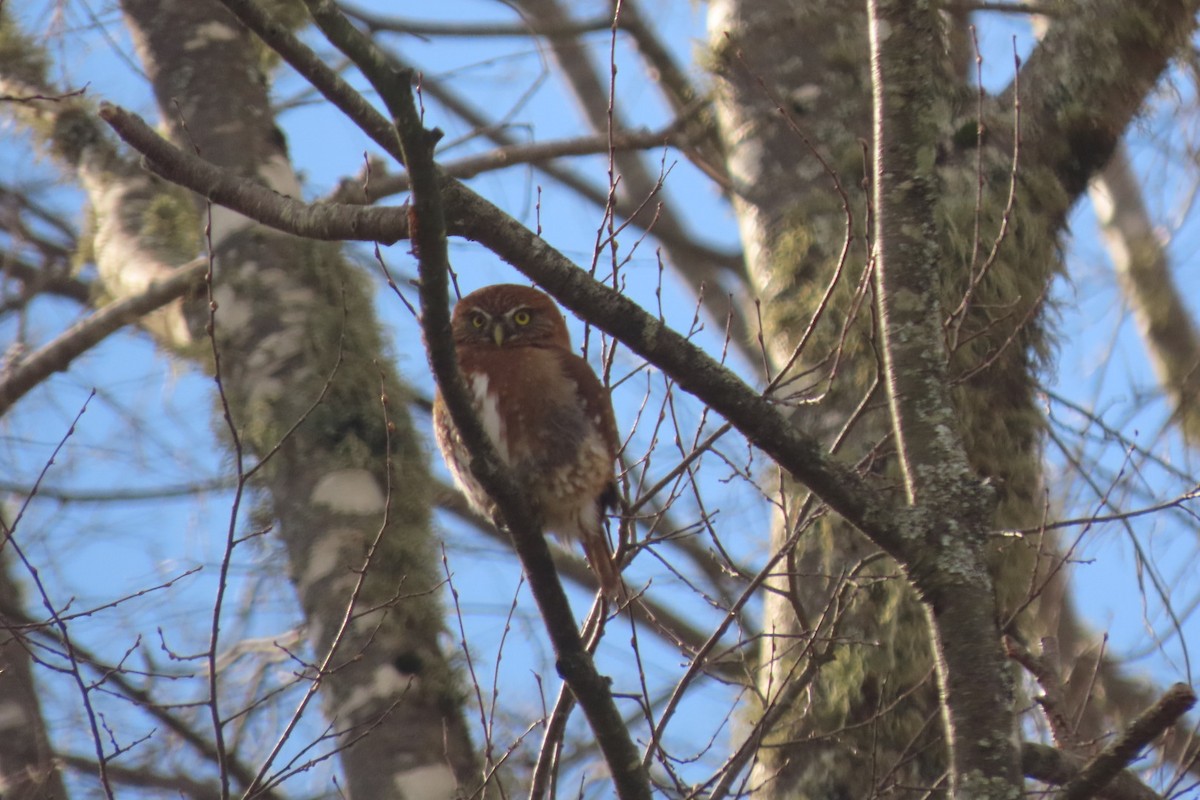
(947, 563)
(637, 184)
(1106, 78)
(525, 28)
(306, 62)
(427, 221)
(323, 221)
(1049, 765)
(1144, 271)
(512, 155)
(1121, 752)
(475, 218)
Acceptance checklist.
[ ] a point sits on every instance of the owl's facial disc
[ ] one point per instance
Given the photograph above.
(511, 326)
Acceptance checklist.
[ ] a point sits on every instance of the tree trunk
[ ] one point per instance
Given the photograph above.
(294, 323)
(793, 91)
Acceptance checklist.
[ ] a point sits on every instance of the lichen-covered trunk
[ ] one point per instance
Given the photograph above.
(293, 320)
(793, 100)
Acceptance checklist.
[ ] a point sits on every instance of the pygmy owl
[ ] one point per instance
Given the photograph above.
(547, 414)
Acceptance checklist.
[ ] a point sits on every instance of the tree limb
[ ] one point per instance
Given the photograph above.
(947, 565)
(1075, 138)
(1144, 272)
(473, 217)
(427, 222)
(1050, 765)
(1121, 752)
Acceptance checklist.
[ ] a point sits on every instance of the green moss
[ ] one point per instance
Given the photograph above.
(292, 15)
(169, 224)
(20, 57)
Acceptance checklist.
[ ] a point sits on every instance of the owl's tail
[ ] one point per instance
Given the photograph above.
(600, 557)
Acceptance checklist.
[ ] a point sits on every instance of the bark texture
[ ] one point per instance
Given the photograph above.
(793, 90)
(1144, 271)
(350, 480)
(292, 323)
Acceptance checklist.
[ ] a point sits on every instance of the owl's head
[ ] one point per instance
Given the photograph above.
(509, 315)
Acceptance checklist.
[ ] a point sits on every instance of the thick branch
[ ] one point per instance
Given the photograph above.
(325, 221)
(473, 217)
(947, 565)
(1121, 752)
(907, 255)
(429, 243)
(1105, 56)
(1049, 765)
(306, 62)
(760, 421)
(1143, 269)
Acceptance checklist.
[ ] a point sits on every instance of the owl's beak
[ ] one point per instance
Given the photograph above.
(498, 334)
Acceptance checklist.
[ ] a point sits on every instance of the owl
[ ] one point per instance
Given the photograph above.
(547, 414)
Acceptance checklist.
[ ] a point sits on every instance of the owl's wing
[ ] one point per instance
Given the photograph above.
(597, 403)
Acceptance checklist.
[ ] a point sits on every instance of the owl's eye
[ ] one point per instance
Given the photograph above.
(522, 317)
(478, 321)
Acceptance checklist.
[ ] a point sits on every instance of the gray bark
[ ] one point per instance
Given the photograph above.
(792, 98)
(292, 323)
(349, 480)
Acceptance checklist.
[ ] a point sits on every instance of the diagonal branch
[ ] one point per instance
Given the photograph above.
(324, 221)
(473, 217)
(636, 181)
(1075, 139)
(427, 221)
(1050, 765)
(1124, 749)
(1143, 269)
(343, 96)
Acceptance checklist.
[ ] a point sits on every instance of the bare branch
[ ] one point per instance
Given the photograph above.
(475, 218)
(637, 183)
(428, 222)
(511, 155)
(1121, 752)
(1048, 765)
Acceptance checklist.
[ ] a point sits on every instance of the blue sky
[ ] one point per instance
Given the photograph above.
(152, 423)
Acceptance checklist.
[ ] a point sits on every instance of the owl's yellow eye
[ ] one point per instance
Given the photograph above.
(522, 317)
(478, 321)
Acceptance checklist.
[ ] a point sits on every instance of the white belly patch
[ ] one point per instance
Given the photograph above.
(488, 408)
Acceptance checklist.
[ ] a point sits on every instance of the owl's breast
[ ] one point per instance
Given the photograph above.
(535, 412)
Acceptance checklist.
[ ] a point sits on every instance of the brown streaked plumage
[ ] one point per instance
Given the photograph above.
(546, 412)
